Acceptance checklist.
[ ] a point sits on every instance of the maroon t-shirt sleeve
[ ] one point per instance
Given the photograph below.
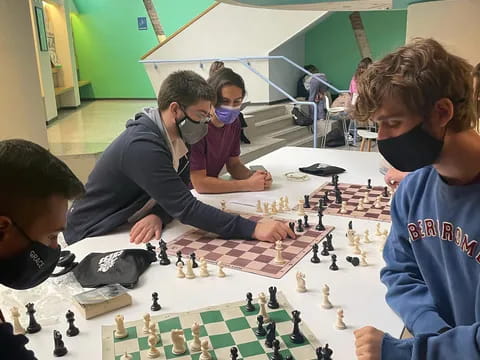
(235, 149)
(198, 155)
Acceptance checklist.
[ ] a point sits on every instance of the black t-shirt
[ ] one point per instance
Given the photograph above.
(12, 347)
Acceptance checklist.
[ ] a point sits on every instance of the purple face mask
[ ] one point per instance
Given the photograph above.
(227, 114)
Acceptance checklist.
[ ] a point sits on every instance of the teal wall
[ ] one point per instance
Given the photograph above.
(108, 44)
(332, 47)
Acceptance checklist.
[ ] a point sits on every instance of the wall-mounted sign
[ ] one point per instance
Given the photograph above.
(142, 23)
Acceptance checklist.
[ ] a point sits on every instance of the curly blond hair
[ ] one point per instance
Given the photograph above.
(417, 76)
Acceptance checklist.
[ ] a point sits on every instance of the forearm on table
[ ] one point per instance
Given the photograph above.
(214, 185)
(239, 171)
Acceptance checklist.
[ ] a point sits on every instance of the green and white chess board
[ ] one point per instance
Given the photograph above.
(224, 326)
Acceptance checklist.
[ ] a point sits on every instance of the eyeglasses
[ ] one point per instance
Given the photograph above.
(202, 118)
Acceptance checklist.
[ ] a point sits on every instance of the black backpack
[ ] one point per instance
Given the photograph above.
(300, 118)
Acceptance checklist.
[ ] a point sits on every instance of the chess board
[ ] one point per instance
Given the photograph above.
(351, 193)
(248, 255)
(224, 326)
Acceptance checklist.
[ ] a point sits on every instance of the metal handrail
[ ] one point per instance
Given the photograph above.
(245, 61)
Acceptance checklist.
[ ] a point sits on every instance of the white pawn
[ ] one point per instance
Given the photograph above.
(278, 257)
(363, 259)
(17, 327)
(120, 331)
(180, 273)
(265, 208)
(365, 198)
(274, 208)
(367, 237)
(190, 273)
(340, 325)
(281, 205)
(223, 204)
(326, 304)
(287, 205)
(153, 352)
(383, 240)
(259, 206)
(301, 209)
(178, 340)
(360, 205)
(195, 345)
(205, 354)
(301, 286)
(203, 268)
(378, 232)
(377, 204)
(126, 356)
(146, 324)
(385, 232)
(262, 301)
(220, 273)
(356, 246)
(343, 209)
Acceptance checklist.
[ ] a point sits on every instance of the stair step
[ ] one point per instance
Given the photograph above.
(302, 142)
(260, 147)
(264, 113)
(272, 125)
(292, 133)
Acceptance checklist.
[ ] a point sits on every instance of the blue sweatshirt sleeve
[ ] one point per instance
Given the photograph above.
(150, 166)
(461, 342)
(407, 293)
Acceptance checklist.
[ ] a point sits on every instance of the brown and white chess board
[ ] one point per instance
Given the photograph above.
(249, 255)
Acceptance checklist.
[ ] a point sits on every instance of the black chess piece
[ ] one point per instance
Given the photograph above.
(155, 306)
(276, 351)
(271, 329)
(72, 329)
(320, 226)
(350, 225)
(318, 351)
(151, 248)
(291, 224)
(327, 353)
(260, 330)
(273, 302)
(369, 184)
(333, 180)
(60, 349)
(299, 226)
(296, 336)
(179, 258)
(325, 249)
(321, 202)
(385, 192)
(329, 242)
(353, 260)
(306, 225)
(289, 357)
(161, 243)
(338, 196)
(325, 198)
(334, 266)
(33, 325)
(233, 353)
(163, 256)
(250, 307)
(315, 259)
(306, 203)
(193, 257)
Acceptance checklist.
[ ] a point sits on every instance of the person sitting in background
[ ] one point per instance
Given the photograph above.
(361, 67)
(35, 188)
(317, 90)
(221, 146)
(302, 91)
(142, 178)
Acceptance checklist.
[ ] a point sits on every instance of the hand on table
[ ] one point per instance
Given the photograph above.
(272, 231)
(257, 181)
(393, 177)
(268, 180)
(146, 229)
(368, 343)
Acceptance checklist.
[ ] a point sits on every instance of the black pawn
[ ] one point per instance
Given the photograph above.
(296, 336)
(271, 329)
(385, 192)
(306, 203)
(260, 330)
(320, 226)
(276, 351)
(72, 329)
(60, 349)
(329, 242)
(306, 225)
(327, 353)
(273, 302)
(33, 325)
(350, 225)
(299, 226)
(233, 353)
(155, 306)
(325, 198)
(325, 249)
(315, 259)
(249, 306)
(369, 184)
(179, 258)
(292, 226)
(334, 266)
(353, 260)
(163, 256)
(193, 257)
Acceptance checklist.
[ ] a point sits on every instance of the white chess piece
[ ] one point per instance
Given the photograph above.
(259, 206)
(146, 324)
(204, 268)
(360, 205)
(377, 204)
(220, 273)
(301, 286)
(153, 352)
(343, 209)
(301, 209)
(126, 356)
(281, 205)
(180, 273)
(351, 237)
(195, 345)
(274, 208)
(326, 304)
(262, 301)
(17, 327)
(378, 232)
(365, 198)
(190, 274)
(205, 354)
(178, 340)
(279, 257)
(223, 204)
(363, 259)
(385, 232)
(266, 210)
(287, 206)
(340, 325)
(120, 331)
(366, 239)
(153, 331)
(356, 247)
(383, 240)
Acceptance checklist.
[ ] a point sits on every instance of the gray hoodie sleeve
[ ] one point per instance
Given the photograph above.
(150, 166)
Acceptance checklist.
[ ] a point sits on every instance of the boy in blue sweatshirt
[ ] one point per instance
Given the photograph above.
(421, 97)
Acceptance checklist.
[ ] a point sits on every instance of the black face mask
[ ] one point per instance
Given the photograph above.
(29, 268)
(412, 150)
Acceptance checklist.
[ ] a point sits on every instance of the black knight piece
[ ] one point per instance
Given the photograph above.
(155, 306)
(350, 225)
(296, 336)
(179, 258)
(72, 329)
(271, 334)
(329, 242)
(163, 256)
(306, 225)
(260, 330)
(60, 349)
(315, 259)
(193, 257)
(306, 203)
(353, 260)
(334, 266)
(151, 248)
(33, 325)
(299, 226)
(291, 224)
(325, 249)
(249, 307)
(273, 302)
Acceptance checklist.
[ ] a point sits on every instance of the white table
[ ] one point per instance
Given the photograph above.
(357, 290)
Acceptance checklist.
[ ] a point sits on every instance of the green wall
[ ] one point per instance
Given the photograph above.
(108, 43)
(332, 47)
